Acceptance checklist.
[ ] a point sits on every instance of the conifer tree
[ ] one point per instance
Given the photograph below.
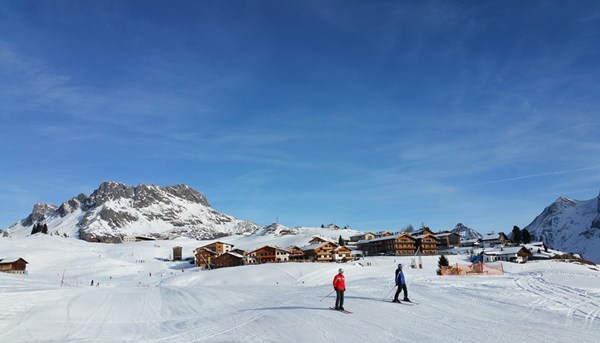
(516, 234)
(36, 228)
(341, 241)
(44, 229)
(442, 262)
(526, 236)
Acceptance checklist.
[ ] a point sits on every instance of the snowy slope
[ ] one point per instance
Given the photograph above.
(141, 298)
(570, 225)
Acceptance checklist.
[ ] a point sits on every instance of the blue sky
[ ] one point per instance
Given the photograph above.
(371, 114)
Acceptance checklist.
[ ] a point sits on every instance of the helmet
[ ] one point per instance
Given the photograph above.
(399, 265)
(341, 270)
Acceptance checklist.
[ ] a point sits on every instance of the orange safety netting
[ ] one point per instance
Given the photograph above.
(473, 269)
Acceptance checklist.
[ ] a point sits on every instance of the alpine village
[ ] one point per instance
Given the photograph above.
(220, 254)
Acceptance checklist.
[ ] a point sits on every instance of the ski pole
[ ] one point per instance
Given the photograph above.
(388, 293)
(326, 295)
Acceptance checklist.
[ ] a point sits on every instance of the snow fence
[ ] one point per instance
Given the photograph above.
(473, 269)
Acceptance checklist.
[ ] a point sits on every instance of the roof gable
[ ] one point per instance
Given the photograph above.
(7, 260)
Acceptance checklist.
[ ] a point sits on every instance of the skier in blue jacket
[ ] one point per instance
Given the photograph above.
(401, 284)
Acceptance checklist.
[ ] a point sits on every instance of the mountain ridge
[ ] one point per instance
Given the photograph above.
(116, 209)
(570, 225)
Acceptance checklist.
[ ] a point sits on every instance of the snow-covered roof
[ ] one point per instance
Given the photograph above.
(215, 242)
(207, 249)
(444, 234)
(324, 239)
(384, 238)
(314, 246)
(272, 247)
(234, 254)
(424, 235)
(491, 236)
(11, 259)
(341, 247)
(474, 240)
(504, 251)
(361, 235)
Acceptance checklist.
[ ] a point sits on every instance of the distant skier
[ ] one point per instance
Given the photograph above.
(339, 285)
(92, 283)
(401, 284)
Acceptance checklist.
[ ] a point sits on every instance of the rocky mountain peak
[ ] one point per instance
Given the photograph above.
(116, 209)
(570, 225)
(108, 191)
(72, 205)
(187, 193)
(39, 213)
(465, 232)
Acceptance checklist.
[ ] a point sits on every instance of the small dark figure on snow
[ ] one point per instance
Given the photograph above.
(401, 284)
(339, 285)
(92, 283)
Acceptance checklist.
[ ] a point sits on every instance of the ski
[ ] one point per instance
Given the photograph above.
(409, 303)
(343, 311)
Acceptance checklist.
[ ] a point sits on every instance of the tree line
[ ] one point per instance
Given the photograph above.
(37, 227)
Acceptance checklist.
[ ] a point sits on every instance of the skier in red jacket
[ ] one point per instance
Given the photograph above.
(339, 285)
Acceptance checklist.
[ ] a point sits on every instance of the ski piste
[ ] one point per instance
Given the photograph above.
(343, 311)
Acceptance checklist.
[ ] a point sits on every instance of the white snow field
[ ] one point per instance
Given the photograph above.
(141, 298)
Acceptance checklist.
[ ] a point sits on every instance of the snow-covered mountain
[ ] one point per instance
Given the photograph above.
(116, 209)
(570, 225)
(466, 233)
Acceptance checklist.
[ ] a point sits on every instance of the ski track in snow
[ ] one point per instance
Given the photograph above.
(574, 301)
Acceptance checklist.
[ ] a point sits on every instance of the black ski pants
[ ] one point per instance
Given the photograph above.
(339, 299)
(401, 288)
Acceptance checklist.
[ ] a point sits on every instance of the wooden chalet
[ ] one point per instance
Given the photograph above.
(447, 240)
(219, 247)
(204, 257)
(268, 254)
(405, 244)
(319, 252)
(342, 254)
(228, 259)
(317, 239)
(494, 239)
(295, 253)
(427, 243)
(239, 251)
(383, 234)
(398, 244)
(13, 265)
(376, 246)
(507, 254)
(423, 231)
(362, 237)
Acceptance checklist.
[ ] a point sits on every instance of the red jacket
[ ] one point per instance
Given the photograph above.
(339, 282)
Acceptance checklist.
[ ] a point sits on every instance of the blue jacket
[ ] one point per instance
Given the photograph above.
(400, 277)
